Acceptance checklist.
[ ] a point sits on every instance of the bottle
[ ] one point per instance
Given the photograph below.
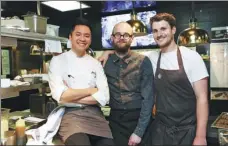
(20, 132)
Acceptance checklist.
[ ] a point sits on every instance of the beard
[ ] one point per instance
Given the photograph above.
(120, 48)
(167, 43)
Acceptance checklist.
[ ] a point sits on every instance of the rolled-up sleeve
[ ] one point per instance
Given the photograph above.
(55, 79)
(147, 89)
(102, 95)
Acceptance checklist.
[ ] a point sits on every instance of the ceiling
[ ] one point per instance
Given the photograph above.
(19, 8)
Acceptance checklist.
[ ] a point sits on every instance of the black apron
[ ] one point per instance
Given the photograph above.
(175, 120)
(123, 124)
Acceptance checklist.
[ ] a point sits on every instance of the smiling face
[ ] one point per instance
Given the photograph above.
(80, 38)
(163, 33)
(122, 37)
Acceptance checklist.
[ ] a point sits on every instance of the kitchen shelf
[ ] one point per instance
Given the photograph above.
(29, 35)
(15, 91)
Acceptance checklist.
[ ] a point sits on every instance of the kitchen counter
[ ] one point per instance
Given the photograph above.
(14, 91)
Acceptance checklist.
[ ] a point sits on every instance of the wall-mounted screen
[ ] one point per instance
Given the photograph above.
(113, 6)
(108, 23)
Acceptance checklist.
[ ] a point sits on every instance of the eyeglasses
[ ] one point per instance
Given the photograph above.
(125, 35)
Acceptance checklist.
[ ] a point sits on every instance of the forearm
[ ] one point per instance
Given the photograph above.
(89, 100)
(202, 117)
(76, 94)
(145, 116)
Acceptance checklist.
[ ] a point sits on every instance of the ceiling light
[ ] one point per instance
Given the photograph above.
(65, 5)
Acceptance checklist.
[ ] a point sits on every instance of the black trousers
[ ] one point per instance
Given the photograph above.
(83, 139)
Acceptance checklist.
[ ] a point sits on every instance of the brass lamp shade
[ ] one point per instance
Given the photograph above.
(193, 35)
(139, 29)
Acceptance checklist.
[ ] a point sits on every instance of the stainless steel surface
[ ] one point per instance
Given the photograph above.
(221, 121)
(36, 23)
(14, 91)
(29, 35)
(38, 8)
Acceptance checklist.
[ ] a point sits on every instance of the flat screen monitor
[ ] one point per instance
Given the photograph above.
(113, 6)
(108, 22)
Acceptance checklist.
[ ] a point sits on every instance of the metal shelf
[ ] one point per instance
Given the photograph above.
(29, 35)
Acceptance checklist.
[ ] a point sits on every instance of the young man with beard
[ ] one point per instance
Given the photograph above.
(130, 80)
(181, 88)
(75, 77)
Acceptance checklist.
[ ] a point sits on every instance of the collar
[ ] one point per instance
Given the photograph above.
(126, 58)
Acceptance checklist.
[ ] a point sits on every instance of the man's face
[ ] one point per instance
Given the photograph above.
(163, 33)
(122, 37)
(80, 38)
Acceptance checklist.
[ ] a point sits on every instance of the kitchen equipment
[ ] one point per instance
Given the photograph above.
(52, 30)
(36, 23)
(10, 138)
(33, 80)
(5, 83)
(41, 105)
(221, 121)
(219, 32)
(223, 137)
(4, 122)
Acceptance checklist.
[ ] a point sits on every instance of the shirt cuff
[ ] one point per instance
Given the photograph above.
(59, 93)
(99, 96)
(139, 132)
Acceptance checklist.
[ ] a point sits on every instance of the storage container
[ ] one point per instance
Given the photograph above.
(36, 23)
(52, 30)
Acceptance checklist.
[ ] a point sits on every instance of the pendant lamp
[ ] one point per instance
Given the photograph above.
(193, 35)
(139, 29)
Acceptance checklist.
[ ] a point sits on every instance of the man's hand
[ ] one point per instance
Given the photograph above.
(104, 57)
(134, 140)
(200, 141)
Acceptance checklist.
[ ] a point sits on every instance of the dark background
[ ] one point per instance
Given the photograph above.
(209, 14)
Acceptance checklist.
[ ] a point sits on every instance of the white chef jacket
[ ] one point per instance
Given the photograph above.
(79, 73)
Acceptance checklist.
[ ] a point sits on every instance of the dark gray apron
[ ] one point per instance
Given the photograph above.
(175, 120)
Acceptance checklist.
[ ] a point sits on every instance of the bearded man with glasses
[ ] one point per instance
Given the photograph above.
(130, 80)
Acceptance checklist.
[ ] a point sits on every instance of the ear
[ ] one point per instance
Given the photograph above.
(174, 29)
(112, 38)
(132, 37)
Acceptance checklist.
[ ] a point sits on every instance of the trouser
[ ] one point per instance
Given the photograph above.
(123, 124)
(83, 139)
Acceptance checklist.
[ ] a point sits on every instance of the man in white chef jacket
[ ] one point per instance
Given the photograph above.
(75, 77)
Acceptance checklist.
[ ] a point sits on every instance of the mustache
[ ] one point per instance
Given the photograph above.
(122, 41)
(160, 37)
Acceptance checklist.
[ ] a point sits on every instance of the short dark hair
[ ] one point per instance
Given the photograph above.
(80, 21)
(164, 16)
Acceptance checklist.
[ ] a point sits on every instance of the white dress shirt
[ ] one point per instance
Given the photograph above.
(78, 73)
